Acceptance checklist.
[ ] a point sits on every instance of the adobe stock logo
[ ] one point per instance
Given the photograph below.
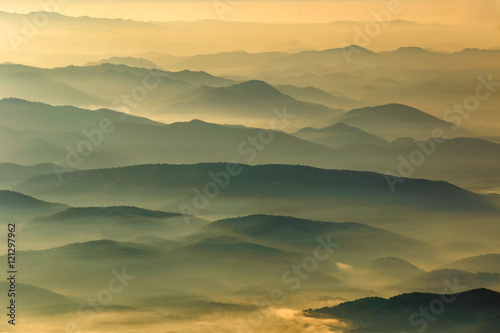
(292, 278)
(74, 157)
(224, 6)
(89, 308)
(95, 137)
(421, 320)
(363, 36)
(36, 22)
(250, 147)
(425, 149)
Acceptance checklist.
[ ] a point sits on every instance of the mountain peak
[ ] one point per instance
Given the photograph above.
(126, 61)
(194, 122)
(11, 200)
(357, 47)
(254, 83)
(413, 49)
(112, 211)
(338, 127)
(392, 121)
(392, 109)
(255, 88)
(9, 100)
(341, 127)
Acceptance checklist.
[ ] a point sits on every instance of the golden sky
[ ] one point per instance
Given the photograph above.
(272, 11)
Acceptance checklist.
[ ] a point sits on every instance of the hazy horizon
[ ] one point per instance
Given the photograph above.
(272, 11)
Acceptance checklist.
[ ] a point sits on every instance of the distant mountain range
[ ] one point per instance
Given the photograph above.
(219, 266)
(35, 133)
(248, 100)
(132, 37)
(48, 132)
(184, 92)
(99, 85)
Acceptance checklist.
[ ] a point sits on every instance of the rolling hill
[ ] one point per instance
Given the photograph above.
(210, 268)
(11, 174)
(393, 121)
(16, 207)
(338, 135)
(47, 134)
(355, 242)
(394, 267)
(118, 223)
(251, 99)
(318, 96)
(24, 115)
(100, 85)
(433, 281)
(14, 201)
(483, 263)
(473, 311)
(39, 133)
(275, 189)
(40, 301)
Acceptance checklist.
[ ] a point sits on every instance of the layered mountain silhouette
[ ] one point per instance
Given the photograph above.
(220, 176)
(38, 117)
(219, 266)
(249, 99)
(355, 242)
(104, 85)
(101, 85)
(47, 134)
(254, 189)
(117, 223)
